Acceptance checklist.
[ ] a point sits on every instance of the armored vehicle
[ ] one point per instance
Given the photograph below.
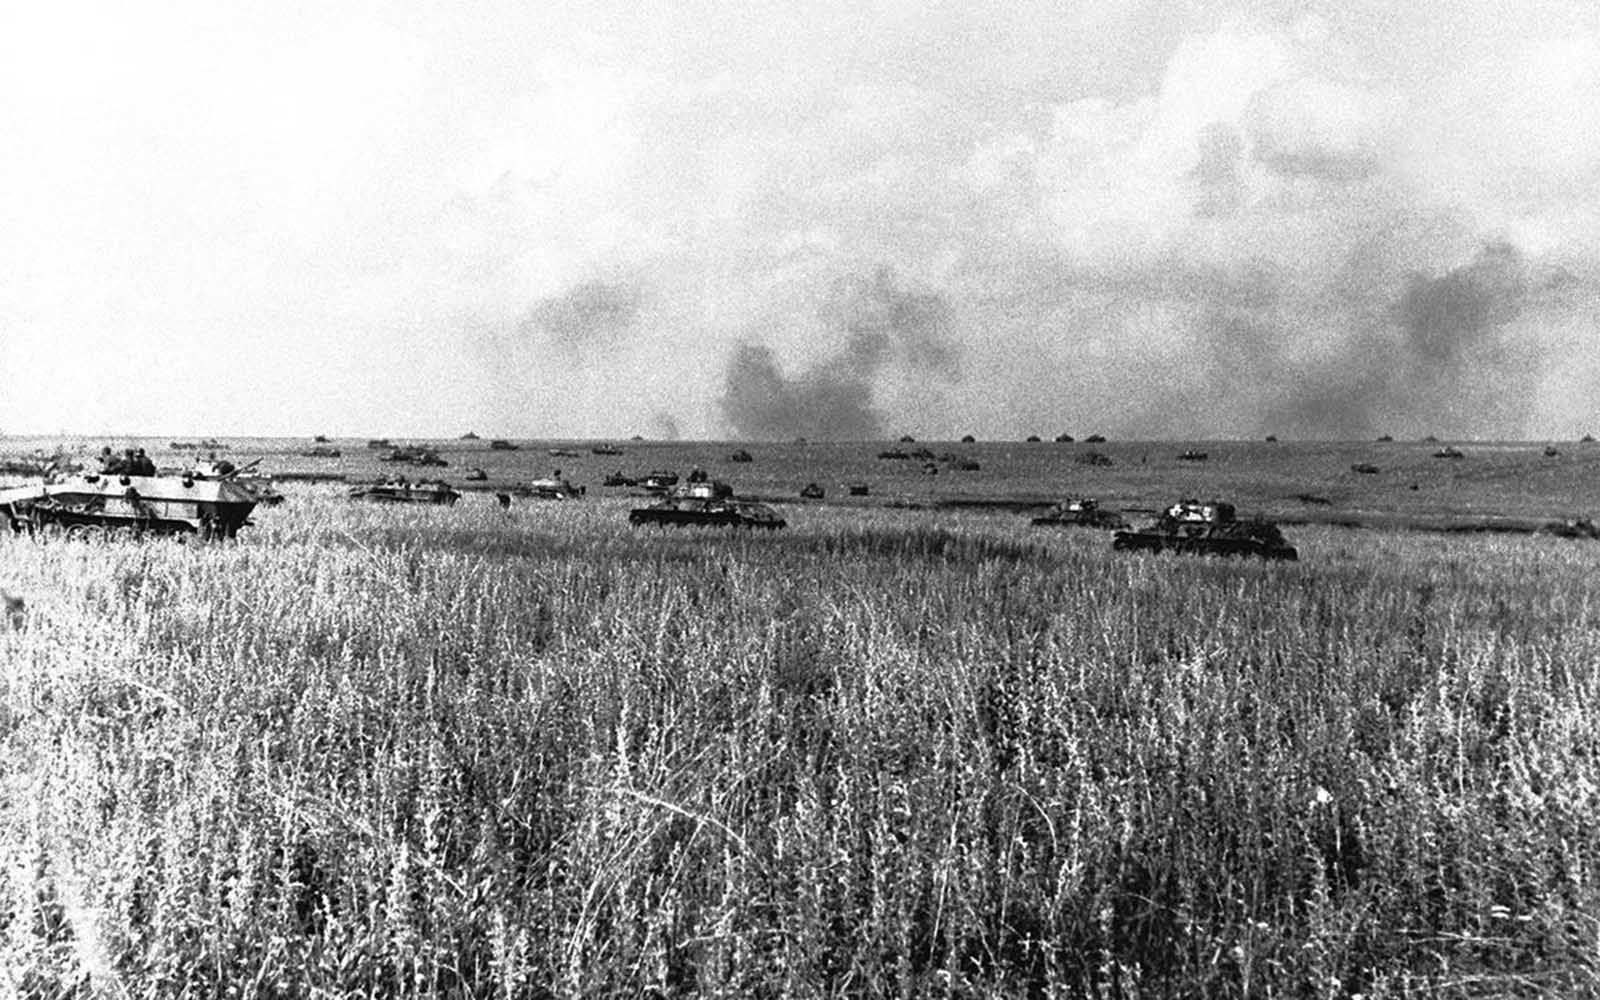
(1365, 469)
(894, 455)
(131, 505)
(1449, 451)
(605, 449)
(476, 476)
(1083, 513)
(400, 491)
(413, 456)
(501, 444)
(320, 451)
(553, 488)
(1207, 529)
(709, 504)
(1193, 456)
(741, 456)
(811, 491)
(659, 481)
(619, 479)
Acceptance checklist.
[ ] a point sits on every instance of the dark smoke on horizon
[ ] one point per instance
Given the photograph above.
(886, 327)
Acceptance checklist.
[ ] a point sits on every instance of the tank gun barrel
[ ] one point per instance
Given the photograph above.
(243, 468)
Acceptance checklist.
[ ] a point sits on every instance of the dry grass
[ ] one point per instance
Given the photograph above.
(374, 752)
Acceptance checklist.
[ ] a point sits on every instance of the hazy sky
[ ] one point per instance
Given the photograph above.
(823, 218)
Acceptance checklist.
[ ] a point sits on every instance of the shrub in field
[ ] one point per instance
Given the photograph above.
(422, 753)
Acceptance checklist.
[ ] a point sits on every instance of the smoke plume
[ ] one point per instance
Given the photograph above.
(886, 328)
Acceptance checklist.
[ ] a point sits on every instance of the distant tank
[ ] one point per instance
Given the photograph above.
(501, 444)
(894, 455)
(605, 449)
(618, 479)
(320, 451)
(1449, 451)
(1365, 469)
(1207, 529)
(659, 481)
(130, 505)
(811, 491)
(549, 489)
(400, 491)
(1083, 513)
(476, 476)
(741, 456)
(707, 504)
(1193, 456)
(413, 456)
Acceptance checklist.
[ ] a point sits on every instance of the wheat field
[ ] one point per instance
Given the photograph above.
(376, 752)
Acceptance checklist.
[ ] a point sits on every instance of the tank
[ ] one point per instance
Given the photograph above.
(1192, 527)
(659, 481)
(100, 503)
(1083, 512)
(400, 491)
(726, 513)
(548, 489)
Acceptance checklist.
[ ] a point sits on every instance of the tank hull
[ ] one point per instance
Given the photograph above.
(130, 505)
(403, 494)
(709, 514)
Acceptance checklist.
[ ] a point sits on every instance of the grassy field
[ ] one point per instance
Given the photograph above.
(378, 752)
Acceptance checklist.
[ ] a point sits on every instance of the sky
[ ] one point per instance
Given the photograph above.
(831, 219)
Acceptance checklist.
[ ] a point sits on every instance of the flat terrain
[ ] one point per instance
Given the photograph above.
(899, 749)
(1294, 481)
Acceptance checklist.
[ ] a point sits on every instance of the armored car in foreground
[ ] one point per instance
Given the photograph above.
(1192, 527)
(130, 505)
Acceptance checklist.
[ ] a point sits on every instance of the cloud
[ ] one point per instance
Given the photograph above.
(588, 316)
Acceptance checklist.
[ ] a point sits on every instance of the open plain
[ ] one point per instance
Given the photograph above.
(908, 746)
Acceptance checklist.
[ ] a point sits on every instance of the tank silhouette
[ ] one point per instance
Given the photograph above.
(400, 491)
(501, 444)
(709, 503)
(811, 491)
(107, 504)
(1449, 451)
(1213, 528)
(619, 479)
(476, 476)
(1084, 512)
(605, 449)
(660, 481)
(1365, 469)
(894, 455)
(413, 456)
(1193, 456)
(552, 488)
(741, 456)
(1572, 527)
(321, 451)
